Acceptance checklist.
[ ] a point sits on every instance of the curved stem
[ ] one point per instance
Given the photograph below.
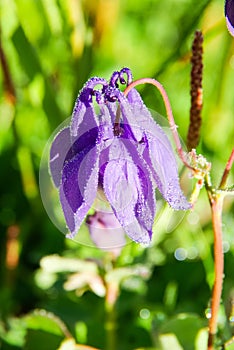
(170, 117)
(227, 170)
(216, 202)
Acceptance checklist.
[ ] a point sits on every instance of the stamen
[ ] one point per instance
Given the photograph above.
(112, 95)
(120, 76)
(117, 130)
(129, 76)
(114, 78)
(88, 91)
(99, 96)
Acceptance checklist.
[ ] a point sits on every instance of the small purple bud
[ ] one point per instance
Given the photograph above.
(106, 232)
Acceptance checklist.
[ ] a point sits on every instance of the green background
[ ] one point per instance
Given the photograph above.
(51, 47)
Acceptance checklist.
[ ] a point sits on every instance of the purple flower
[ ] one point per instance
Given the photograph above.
(114, 145)
(229, 14)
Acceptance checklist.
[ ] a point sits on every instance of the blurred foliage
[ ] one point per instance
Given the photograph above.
(53, 292)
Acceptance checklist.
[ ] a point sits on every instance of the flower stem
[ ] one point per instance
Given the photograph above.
(112, 292)
(170, 117)
(216, 202)
(227, 170)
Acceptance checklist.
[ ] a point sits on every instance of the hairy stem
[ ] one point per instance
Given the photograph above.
(216, 201)
(170, 117)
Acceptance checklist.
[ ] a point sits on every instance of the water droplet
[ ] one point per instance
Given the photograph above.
(208, 313)
(144, 314)
(226, 246)
(193, 218)
(180, 254)
(192, 253)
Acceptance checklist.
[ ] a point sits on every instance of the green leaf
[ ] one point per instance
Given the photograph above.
(46, 321)
(32, 66)
(38, 340)
(169, 341)
(26, 53)
(185, 329)
(15, 334)
(44, 328)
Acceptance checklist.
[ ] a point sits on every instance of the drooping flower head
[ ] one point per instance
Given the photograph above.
(113, 145)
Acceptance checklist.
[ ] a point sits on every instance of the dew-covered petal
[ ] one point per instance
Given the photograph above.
(81, 167)
(88, 139)
(63, 148)
(83, 111)
(58, 151)
(229, 14)
(82, 133)
(163, 164)
(129, 191)
(106, 133)
(135, 98)
(87, 121)
(128, 118)
(73, 220)
(158, 153)
(79, 186)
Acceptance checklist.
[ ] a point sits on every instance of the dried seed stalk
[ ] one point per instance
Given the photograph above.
(196, 92)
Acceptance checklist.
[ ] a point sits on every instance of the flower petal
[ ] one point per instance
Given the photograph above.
(83, 111)
(130, 193)
(159, 154)
(72, 140)
(58, 151)
(79, 186)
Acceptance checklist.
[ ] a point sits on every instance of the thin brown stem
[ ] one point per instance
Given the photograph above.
(170, 117)
(216, 201)
(227, 170)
